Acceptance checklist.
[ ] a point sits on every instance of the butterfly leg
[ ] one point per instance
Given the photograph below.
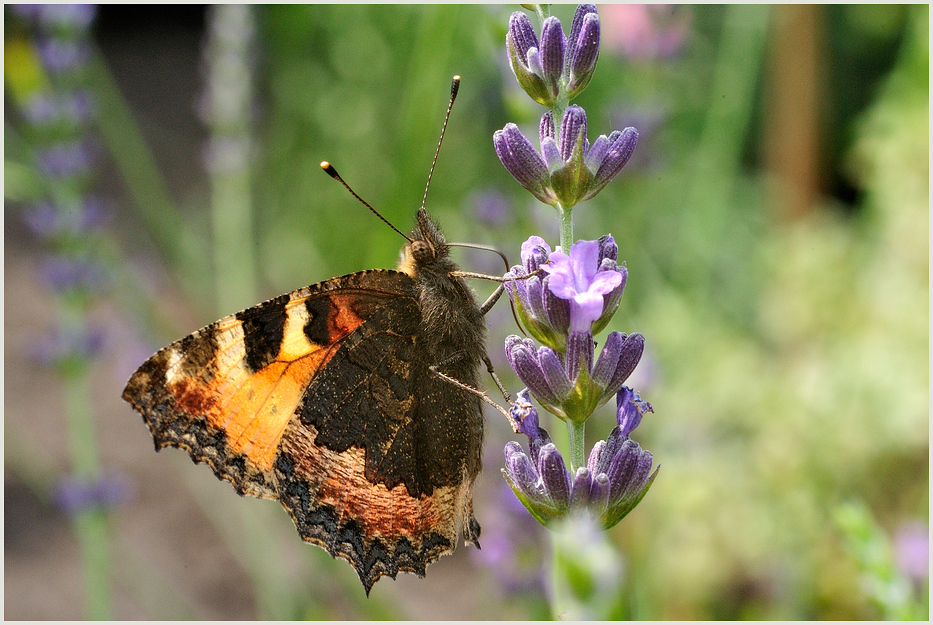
(481, 394)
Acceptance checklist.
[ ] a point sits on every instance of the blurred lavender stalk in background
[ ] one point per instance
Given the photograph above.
(227, 109)
(50, 88)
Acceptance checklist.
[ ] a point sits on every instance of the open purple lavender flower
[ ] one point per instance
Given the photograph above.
(580, 278)
(578, 292)
(544, 315)
(554, 64)
(617, 475)
(568, 170)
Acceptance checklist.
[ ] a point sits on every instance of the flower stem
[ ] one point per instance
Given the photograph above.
(577, 455)
(566, 227)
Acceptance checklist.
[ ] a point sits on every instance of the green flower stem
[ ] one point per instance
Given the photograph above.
(577, 451)
(566, 227)
(91, 526)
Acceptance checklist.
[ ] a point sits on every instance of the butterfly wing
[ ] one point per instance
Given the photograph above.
(308, 398)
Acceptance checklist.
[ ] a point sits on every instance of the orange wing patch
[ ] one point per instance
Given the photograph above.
(253, 409)
(227, 392)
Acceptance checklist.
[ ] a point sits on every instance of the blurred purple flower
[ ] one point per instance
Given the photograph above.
(491, 207)
(73, 107)
(66, 16)
(645, 31)
(75, 495)
(73, 158)
(60, 55)
(65, 272)
(59, 345)
(511, 544)
(912, 551)
(46, 221)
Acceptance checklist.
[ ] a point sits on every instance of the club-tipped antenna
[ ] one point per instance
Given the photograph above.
(454, 88)
(333, 174)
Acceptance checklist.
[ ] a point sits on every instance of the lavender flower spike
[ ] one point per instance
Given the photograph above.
(617, 475)
(568, 169)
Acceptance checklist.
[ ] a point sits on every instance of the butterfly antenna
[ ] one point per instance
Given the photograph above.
(454, 88)
(333, 174)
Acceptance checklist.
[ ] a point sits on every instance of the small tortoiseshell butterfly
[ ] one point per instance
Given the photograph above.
(328, 399)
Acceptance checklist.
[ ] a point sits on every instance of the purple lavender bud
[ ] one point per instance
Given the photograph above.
(622, 468)
(592, 461)
(580, 489)
(521, 34)
(524, 361)
(534, 299)
(572, 179)
(546, 127)
(608, 249)
(599, 493)
(557, 309)
(608, 359)
(634, 485)
(525, 59)
(576, 26)
(552, 48)
(519, 466)
(573, 132)
(535, 252)
(556, 477)
(554, 372)
(522, 161)
(583, 49)
(579, 354)
(618, 154)
(632, 349)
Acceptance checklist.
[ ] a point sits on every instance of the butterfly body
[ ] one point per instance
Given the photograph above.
(327, 399)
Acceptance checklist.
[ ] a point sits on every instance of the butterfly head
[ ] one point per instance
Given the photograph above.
(427, 249)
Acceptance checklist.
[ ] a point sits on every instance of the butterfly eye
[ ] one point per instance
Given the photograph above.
(422, 251)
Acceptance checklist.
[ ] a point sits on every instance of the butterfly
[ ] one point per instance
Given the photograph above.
(350, 401)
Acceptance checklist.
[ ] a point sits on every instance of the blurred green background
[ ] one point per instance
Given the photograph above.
(774, 221)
